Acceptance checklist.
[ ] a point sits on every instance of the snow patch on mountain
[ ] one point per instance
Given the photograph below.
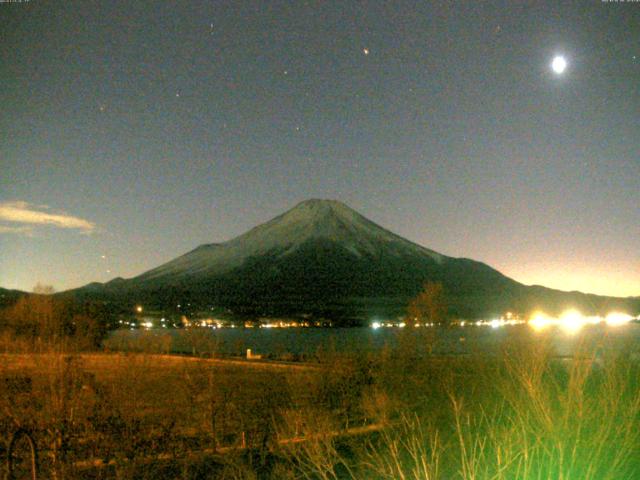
(310, 220)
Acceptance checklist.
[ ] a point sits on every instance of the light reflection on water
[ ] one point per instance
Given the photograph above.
(441, 340)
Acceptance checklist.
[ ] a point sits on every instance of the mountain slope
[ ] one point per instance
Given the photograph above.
(323, 258)
(309, 221)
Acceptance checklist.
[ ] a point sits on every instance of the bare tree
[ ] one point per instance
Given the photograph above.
(43, 289)
(428, 306)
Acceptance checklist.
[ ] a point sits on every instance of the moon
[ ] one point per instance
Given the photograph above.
(559, 64)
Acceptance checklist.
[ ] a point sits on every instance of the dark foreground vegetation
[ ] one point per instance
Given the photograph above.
(516, 413)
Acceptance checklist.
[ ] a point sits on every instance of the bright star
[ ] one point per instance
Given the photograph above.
(559, 64)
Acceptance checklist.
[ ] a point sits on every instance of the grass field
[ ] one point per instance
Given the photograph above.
(520, 414)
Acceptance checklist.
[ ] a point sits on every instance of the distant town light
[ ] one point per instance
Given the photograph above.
(376, 325)
(540, 321)
(615, 319)
(139, 308)
(572, 321)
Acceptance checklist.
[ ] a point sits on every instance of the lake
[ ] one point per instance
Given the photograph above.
(443, 340)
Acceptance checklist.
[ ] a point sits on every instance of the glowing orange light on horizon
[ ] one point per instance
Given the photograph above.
(615, 319)
(572, 321)
(539, 321)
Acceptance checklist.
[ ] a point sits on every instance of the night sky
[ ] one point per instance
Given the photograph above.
(131, 132)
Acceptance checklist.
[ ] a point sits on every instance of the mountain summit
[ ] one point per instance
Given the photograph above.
(311, 221)
(325, 259)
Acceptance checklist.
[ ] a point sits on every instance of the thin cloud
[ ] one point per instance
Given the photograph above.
(23, 212)
(16, 230)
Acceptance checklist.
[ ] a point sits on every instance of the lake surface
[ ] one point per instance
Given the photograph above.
(441, 340)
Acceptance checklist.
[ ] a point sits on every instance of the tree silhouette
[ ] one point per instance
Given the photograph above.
(428, 306)
(46, 320)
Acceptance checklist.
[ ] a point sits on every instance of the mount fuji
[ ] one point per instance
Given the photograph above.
(323, 258)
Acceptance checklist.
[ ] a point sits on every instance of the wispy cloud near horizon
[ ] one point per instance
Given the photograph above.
(28, 231)
(26, 213)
